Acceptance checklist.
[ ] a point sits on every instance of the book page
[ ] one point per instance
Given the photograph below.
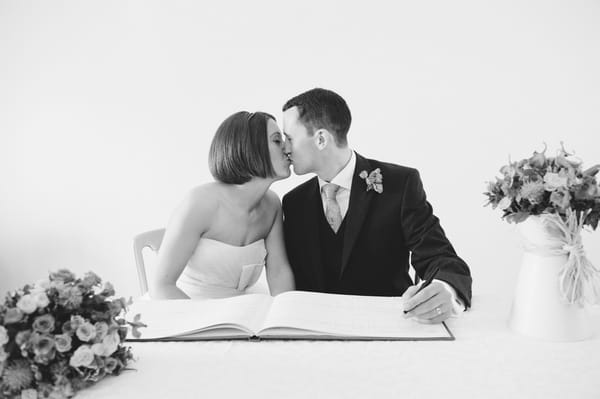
(185, 317)
(346, 316)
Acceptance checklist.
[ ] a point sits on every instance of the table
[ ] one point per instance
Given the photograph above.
(487, 360)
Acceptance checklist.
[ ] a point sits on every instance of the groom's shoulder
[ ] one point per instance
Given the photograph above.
(394, 172)
(393, 167)
(300, 190)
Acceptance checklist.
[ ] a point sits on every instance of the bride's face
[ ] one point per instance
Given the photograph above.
(280, 161)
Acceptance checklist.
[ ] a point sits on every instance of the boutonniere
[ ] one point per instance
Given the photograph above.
(374, 180)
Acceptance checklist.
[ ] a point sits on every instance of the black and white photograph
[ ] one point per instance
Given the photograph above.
(316, 199)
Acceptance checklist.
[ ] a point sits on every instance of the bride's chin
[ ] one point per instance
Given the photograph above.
(284, 174)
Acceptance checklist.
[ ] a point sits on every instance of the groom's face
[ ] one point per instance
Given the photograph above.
(279, 160)
(299, 144)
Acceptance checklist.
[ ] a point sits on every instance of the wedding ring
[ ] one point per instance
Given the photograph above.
(438, 311)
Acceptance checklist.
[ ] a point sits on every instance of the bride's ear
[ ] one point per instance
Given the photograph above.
(321, 139)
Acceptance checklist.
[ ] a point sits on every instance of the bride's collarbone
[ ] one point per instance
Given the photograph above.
(241, 213)
(237, 226)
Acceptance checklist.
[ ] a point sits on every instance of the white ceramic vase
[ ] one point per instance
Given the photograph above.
(538, 308)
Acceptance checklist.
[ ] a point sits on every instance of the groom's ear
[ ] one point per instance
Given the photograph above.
(321, 138)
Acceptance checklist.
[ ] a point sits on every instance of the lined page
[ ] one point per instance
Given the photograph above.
(177, 317)
(348, 315)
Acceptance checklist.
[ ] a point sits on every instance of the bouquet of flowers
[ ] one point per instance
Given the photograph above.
(60, 335)
(547, 185)
(566, 198)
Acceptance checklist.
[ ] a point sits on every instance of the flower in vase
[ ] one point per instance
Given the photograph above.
(554, 181)
(560, 198)
(533, 192)
(587, 190)
(543, 184)
(538, 160)
(504, 203)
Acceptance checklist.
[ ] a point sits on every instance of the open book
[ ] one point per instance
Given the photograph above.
(290, 315)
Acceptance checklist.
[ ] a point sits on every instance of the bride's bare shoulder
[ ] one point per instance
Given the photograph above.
(203, 198)
(272, 200)
(207, 191)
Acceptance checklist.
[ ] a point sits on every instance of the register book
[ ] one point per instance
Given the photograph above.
(290, 315)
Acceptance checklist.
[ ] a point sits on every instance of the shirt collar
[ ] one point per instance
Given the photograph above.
(344, 177)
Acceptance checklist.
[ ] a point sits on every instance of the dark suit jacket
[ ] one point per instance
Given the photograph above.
(382, 229)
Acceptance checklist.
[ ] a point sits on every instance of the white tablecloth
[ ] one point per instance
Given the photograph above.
(486, 361)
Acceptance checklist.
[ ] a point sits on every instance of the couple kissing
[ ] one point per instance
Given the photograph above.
(349, 230)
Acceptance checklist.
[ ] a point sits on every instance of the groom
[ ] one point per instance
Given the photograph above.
(351, 229)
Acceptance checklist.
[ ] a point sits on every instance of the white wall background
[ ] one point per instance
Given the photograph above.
(107, 109)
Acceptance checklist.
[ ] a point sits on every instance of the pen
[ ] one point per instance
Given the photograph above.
(424, 285)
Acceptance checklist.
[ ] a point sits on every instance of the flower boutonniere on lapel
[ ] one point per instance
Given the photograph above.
(374, 180)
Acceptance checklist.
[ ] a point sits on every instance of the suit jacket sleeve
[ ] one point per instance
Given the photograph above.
(427, 241)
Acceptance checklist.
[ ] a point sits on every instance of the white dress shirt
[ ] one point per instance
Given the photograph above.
(344, 180)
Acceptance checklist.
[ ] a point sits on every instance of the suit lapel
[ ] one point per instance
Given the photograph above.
(357, 209)
(313, 209)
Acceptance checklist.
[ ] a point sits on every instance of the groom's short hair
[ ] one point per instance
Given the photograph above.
(240, 148)
(323, 109)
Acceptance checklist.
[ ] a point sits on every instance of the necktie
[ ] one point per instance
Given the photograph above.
(332, 208)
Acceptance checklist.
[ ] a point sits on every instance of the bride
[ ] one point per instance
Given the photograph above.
(223, 233)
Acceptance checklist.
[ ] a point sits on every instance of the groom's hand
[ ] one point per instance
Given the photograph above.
(433, 304)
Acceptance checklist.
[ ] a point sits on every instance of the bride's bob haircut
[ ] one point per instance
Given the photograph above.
(240, 149)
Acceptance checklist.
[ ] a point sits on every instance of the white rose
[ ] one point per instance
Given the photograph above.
(27, 304)
(41, 299)
(86, 332)
(100, 349)
(552, 181)
(101, 330)
(63, 342)
(111, 342)
(83, 356)
(3, 336)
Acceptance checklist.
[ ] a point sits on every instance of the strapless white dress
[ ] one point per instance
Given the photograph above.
(219, 270)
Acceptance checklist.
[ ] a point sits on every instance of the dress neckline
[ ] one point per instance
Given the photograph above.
(232, 245)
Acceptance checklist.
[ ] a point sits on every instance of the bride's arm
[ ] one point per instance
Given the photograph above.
(181, 238)
(279, 272)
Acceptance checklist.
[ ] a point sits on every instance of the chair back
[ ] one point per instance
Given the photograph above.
(151, 239)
